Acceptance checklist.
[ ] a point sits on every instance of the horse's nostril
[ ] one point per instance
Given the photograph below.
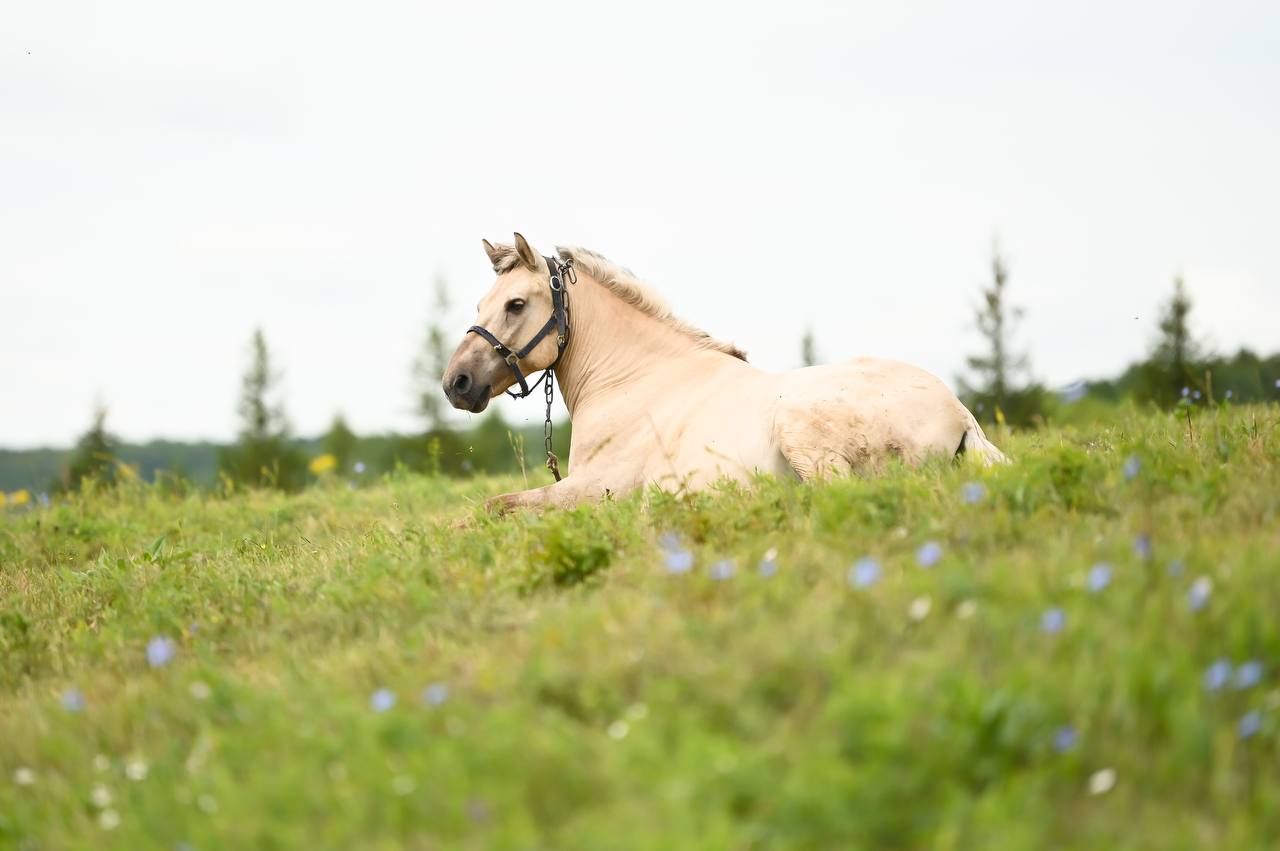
(461, 383)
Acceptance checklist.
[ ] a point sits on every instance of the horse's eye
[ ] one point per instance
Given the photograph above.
(515, 305)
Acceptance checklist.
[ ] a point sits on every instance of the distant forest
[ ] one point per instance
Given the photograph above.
(489, 448)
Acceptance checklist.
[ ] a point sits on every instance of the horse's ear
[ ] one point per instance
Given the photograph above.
(494, 254)
(527, 255)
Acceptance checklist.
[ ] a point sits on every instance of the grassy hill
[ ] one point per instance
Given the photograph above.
(1088, 657)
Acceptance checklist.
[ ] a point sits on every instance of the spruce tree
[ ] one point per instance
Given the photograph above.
(1175, 361)
(340, 442)
(263, 455)
(808, 349)
(94, 456)
(1002, 386)
(432, 358)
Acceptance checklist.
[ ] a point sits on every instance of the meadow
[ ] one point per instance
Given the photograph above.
(1078, 650)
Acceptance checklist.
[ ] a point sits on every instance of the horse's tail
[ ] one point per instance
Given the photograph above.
(974, 442)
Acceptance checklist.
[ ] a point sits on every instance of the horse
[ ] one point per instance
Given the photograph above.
(655, 401)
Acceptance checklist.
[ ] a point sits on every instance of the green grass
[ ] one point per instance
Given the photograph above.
(597, 701)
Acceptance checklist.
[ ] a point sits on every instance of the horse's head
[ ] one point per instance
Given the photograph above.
(515, 310)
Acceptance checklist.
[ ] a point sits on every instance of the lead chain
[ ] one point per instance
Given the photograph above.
(553, 463)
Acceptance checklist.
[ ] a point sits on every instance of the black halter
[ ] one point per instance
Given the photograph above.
(558, 321)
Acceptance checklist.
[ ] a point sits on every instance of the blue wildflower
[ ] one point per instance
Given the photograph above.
(1248, 675)
(1250, 724)
(972, 492)
(1142, 546)
(435, 694)
(1052, 621)
(382, 700)
(1229, 394)
(160, 651)
(722, 570)
(1217, 675)
(676, 557)
(768, 564)
(1131, 467)
(1186, 391)
(679, 561)
(1099, 577)
(929, 554)
(1199, 593)
(1195, 394)
(1065, 738)
(359, 468)
(73, 700)
(864, 573)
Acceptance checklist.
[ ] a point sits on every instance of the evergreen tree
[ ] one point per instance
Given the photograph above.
(1002, 386)
(340, 442)
(1176, 359)
(433, 357)
(94, 456)
(263, 456)
(808, 349)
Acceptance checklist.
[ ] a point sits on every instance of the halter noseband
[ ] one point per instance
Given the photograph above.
(558, 321)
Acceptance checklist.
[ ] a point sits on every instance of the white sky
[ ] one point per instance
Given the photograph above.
(173, 174)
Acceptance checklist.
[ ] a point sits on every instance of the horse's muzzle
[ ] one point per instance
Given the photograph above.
(465, 393)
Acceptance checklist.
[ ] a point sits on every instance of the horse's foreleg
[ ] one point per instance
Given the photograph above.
(558, 495)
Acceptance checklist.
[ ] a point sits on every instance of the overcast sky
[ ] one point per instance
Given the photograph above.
(174, 174)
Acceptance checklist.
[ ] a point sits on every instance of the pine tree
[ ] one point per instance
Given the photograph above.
(340, 442)
(998, 390)
(263, 455)
(1175, 360)
(429, 365)
(808, 349)
(95, 455)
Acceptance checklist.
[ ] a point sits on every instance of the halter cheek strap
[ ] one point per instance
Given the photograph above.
(558, 322)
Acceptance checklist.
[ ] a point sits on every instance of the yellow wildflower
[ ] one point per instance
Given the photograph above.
(2, 499)
(322, 464)
(20, 497)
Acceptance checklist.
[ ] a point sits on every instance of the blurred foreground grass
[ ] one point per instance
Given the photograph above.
(1090, 660)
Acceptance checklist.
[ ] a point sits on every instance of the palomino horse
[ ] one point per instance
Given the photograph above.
(654, 401)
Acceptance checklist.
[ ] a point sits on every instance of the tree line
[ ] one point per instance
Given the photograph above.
(1178, 371)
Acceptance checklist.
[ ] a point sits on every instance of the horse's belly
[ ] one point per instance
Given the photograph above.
(722, 438)
(858, 415)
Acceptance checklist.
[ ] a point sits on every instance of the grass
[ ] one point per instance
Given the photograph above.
(555, 685)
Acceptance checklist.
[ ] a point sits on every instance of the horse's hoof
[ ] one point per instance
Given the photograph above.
(499, 505)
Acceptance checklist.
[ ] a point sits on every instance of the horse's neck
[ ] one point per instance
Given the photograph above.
(612, 345)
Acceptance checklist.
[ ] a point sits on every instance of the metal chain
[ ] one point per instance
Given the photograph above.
(553, 463)
(568, 275)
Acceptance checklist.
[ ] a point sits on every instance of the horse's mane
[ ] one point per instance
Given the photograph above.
(626, 286)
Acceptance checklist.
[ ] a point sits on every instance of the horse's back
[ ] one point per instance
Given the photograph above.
(857, 415)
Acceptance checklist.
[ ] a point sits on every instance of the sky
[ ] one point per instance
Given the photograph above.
(173, 175)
